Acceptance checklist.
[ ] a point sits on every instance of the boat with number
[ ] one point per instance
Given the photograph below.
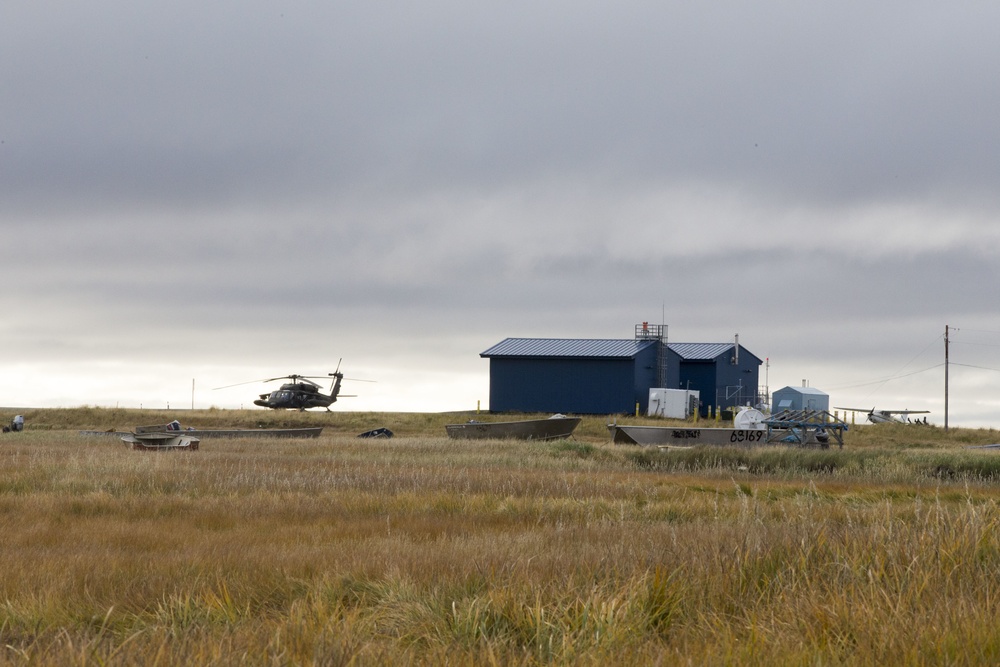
(803, 428)
(553, 428)
(748, 429)
(161, 442)
(683, 436)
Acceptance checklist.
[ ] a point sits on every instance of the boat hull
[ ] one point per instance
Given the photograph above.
(311, 432)
(160, 442)
(530, 429)
(682, 436)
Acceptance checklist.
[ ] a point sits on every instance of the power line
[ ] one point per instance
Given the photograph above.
(982, 368)
(976, 330)
(888, 379)
(914, 358)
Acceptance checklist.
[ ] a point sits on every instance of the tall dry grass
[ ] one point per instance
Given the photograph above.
(423, 550)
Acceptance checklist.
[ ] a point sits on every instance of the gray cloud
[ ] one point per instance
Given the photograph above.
(246, 189)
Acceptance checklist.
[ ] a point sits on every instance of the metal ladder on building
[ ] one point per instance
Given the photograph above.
(657, 332)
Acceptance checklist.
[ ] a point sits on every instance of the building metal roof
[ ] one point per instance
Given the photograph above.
(568, 347)
(623, 348)
(700, 351)
(802, 390)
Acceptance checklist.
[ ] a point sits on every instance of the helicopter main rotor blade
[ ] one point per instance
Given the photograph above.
(239, 384)
(291, 376)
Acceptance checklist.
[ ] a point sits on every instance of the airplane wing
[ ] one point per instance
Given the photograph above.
(887, 412)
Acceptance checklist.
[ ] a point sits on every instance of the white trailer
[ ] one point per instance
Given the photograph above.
(673, 403)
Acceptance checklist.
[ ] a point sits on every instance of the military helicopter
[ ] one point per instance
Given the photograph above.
(299, 394)
(889, 416)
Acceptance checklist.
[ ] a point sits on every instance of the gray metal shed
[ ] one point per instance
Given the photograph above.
(799, 398)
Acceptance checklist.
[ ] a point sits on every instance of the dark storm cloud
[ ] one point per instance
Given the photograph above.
(210, 104)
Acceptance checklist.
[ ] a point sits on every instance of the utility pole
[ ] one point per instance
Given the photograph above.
(946, 378)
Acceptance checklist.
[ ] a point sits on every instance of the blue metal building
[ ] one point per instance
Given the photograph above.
(572, 375)
(727, 375)
(612, 376)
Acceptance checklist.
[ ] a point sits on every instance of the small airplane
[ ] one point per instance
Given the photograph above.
(890, 416)
(299, 394)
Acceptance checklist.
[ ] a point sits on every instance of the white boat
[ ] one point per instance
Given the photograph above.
(553, 428)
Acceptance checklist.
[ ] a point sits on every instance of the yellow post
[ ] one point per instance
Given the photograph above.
(637, 408)
(477, 407)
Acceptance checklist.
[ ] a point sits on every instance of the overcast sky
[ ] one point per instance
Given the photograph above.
(194, 195)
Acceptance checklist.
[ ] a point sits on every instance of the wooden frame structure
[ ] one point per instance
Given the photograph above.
(804, 428)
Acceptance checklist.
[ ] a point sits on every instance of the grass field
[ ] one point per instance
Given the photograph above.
(424, 550)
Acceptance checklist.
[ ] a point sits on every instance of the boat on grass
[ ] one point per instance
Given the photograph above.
(801, 428)
(175, 427)
(553, 428)
(748, 429)
(312, 432)
(161, 442)
(684, 436)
